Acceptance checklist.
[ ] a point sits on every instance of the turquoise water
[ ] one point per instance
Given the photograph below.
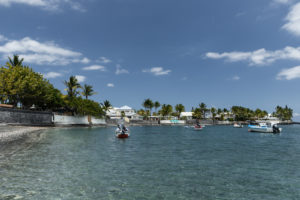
(154, 163)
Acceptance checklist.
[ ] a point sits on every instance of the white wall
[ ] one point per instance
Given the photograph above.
(76, 120)
(96, 121)
(172, 122)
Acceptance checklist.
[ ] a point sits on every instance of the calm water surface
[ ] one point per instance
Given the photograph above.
(154, 163)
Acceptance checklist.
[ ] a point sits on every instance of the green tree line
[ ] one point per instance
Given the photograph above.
(237, 113)
(21, 87)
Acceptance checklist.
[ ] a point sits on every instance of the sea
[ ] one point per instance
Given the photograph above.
(155, 162)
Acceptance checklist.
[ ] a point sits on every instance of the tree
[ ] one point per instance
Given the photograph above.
(148, 104)
(156, 105)
(219, 111)
(197, 114)
(86, 107)
(258, 113)
(285, 113)
(242, 113)
(21, 85)
(203, 109)
(15, 61)
(72, 86)
(166, 110)
(179, 109)
(143, 113)
(87, 91)
(213, 112)
(106, 105)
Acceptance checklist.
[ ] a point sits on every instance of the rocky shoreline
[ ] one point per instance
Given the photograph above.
(14, 133)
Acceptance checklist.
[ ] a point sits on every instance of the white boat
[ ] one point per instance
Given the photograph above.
(120, 133)
(264, 127)
(236, 125)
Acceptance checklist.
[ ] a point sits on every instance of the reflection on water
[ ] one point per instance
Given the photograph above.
(154, 163)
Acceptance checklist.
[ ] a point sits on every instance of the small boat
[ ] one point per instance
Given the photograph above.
(122, 135)
(264, 127)
(122, 132)
(198, 127)
(236, 125)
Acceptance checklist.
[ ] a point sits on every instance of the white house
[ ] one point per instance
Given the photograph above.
(271, 118)
(116, 113)
(188, 115)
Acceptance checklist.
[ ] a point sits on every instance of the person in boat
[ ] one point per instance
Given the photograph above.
(119, 128)
(198, 125)
(124, 129)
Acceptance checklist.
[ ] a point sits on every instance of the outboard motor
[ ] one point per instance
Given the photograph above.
(275, 129)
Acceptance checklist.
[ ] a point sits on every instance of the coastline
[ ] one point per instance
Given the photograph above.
(14, 133)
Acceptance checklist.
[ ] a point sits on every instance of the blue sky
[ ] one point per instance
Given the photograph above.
(223, 53)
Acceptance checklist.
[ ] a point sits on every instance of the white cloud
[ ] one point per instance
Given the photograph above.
(52, 75)
(95, 67)
(110, 85)
(236, 78)
(120, 70)
(293, 20)
(80, 78)
(289, 74)
(3, 38)
(157, 71)
(258, 57)
(282, 1)
(45, 4)
(41, 53)
(104, 60)
(85, 60)
(296, 114)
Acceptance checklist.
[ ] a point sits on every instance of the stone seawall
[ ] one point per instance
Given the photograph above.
(25, 117)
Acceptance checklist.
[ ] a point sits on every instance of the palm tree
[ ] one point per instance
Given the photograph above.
(156, 105)
(179, 109)
(166, 110)
(219, 111)
(87, 91)
(213, 112)
(72, 86)
(203, 109)
(15, 61)
(258, 113)
(148, 103)
(197, 113)
(106, 105)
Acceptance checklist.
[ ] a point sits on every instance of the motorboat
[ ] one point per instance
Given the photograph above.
(236, 125)
(198, 127)
(122, 135)
(122, 132)
(264, 127)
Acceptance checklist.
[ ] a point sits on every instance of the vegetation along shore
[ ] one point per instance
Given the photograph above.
(23, 88)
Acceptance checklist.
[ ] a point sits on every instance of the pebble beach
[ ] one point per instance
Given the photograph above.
(14, 133)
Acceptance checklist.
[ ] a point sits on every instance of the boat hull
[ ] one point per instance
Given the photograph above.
(238, 126)
(263, 130)
(122, 135)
